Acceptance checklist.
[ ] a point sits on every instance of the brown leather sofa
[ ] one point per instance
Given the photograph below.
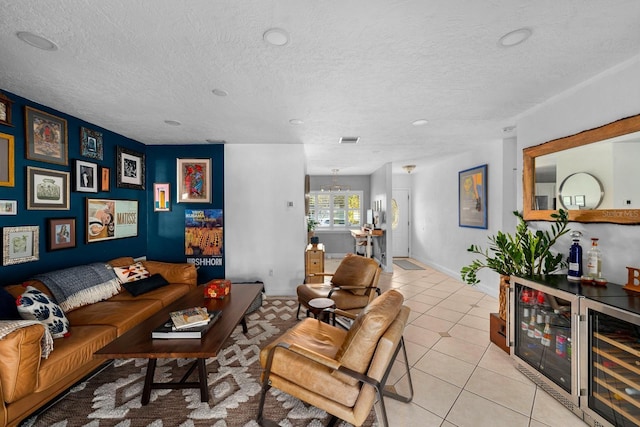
(27, 381)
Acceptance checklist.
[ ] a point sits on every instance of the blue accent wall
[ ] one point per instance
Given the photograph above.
(160, 234)
(166, 229)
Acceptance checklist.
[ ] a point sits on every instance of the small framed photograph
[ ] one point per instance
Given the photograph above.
(91, 143)
(47, 189)
(130, 169)
(567, 201)
(5, 110)
(161, 196)
(580, 200)
(8, 207)
(194, 181)
(46, 137)
(105, 179)
(20, 244)
(472, 197)
(86, 177)
(7, 163)
(61, 233)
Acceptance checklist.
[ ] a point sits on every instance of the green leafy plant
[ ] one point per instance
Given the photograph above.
(311, 224)
(526, 253)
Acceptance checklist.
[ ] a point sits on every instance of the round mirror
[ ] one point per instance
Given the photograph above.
(581, 191)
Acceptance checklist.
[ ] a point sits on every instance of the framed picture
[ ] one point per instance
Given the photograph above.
(47, 189)
(20, 244)
(5, 110)
(105, 179)
(46, 137)
(580, 200)
(161, 202)
(567, 201)
(472, 197)
(86, 177)
(61, 233)
(109, 219)
(8, 207)
(91, 143)
(7, 163)
(130, 169)
(194, 181)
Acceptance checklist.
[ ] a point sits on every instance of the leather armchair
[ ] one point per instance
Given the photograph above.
(342, 372)
(353, 285)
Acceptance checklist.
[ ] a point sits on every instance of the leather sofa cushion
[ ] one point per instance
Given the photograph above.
(173, 272)
(166, 295)
(360, 343)
(73, 351)
(123, 315)
(19, 362)
(121, 262)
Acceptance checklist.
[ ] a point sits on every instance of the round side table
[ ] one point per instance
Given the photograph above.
(317, 306)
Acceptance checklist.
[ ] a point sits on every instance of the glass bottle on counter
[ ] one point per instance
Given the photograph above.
(575, 258)
(594, 260)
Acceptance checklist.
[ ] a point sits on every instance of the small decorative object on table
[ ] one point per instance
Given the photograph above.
(217, 288)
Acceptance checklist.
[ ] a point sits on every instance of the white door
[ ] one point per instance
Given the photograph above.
(400, 222)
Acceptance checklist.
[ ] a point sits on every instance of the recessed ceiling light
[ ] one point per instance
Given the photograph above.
(216, 141)
(296, 122)
(276, 37)
(420, 122)
(220, 92)
(36, 41)
(515, 37)
(172, 122)
(349, 140)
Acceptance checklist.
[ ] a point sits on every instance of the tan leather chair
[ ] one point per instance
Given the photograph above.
(342, 372)
(353, 285)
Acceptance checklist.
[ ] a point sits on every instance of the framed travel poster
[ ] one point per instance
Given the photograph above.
(472, 197)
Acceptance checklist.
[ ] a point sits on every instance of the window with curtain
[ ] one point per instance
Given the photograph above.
(336, 210)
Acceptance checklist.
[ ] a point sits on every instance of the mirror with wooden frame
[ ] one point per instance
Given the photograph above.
(602, 165)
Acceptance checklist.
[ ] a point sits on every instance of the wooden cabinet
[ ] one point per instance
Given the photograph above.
(314, 263)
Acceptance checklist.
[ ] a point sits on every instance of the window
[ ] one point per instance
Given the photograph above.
(335, 210)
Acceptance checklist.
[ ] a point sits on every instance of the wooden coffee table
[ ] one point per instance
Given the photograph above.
(137, 342)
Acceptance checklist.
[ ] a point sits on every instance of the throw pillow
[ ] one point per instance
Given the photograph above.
(131, 273)
(142, 286)
(35, 305)
(8, 309)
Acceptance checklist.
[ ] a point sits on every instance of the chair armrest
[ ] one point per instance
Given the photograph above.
(343, 313)
(306, 353)
(320, 274)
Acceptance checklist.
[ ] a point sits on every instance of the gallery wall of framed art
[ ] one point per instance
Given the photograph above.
(62, 165)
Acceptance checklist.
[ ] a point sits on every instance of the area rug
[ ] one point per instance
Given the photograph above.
(112, 397)
(406, 265)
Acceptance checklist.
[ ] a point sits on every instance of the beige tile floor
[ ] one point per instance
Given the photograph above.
(460, 378)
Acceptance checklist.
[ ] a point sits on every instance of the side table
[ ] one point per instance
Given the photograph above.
(317, 306)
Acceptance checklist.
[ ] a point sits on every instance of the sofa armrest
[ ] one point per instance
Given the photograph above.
(173, 272)
(20, 353)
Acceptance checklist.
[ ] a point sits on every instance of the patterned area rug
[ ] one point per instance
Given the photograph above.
(112, 397)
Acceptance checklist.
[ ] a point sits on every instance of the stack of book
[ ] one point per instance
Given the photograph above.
(188, 323)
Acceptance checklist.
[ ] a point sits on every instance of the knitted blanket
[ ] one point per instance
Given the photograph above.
(46, 344)
(82, 285)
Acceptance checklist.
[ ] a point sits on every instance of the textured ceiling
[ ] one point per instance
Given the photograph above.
(351, 68)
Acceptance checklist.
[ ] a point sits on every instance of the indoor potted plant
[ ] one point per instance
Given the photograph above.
(311, 225)
(526, 254)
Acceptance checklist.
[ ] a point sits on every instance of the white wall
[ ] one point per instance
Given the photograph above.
(610, 96)
(263, 234)
(381, 189)
(437, 240)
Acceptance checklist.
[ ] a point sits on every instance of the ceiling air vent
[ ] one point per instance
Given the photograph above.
(349, 140)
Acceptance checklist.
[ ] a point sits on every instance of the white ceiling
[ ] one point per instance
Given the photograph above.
(365, 68)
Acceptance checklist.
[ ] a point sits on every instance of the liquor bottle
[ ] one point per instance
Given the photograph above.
(546, 334)
(594, 260)
(537, 333)
(575, 258)
(532, 324)
(524, 324)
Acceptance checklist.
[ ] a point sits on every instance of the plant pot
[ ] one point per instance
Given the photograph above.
(503, 297)
(315, 240)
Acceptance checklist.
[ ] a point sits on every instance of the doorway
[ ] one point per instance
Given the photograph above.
(400, 222)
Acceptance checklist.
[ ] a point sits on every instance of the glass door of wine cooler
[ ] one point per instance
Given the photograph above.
(612, 376)
(544, 335)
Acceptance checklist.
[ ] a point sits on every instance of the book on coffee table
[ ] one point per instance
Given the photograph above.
(190, 317)
(168, 330)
